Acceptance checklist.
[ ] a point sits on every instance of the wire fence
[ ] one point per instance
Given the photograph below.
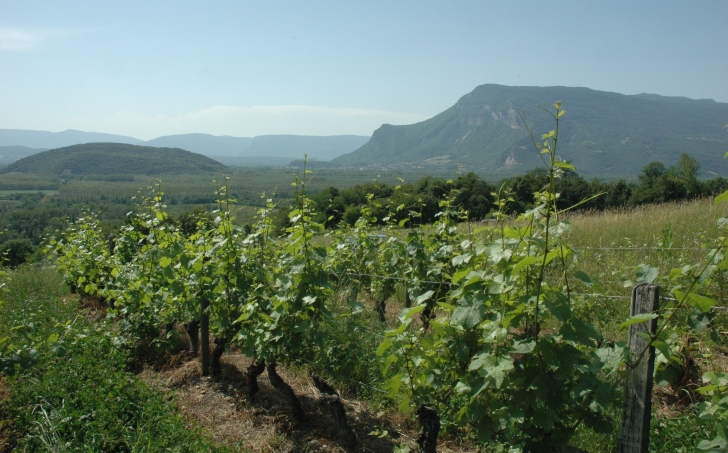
(379, 390)
(693, 249)
(345, 379)
(389, 277)
(600, 295)
(605, 296)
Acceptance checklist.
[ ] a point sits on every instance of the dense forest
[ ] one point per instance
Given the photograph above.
(471, 194)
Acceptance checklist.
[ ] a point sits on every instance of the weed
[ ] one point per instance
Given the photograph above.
(76, 395)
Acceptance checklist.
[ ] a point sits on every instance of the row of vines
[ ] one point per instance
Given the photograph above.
(493, 340)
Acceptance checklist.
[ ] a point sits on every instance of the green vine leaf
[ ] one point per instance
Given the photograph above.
(646, 274)
(636, 319)
(702, 302)
(467, 315)
(525, 262)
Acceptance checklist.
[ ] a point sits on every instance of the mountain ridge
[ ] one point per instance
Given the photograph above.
(282, 147)
(602, 133)
(10, 154)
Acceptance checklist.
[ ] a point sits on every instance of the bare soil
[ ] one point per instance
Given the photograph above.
(266, 424)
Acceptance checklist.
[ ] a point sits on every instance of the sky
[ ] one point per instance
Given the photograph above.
(245, 68)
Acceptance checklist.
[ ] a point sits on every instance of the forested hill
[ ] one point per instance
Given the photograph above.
(115, 158)
(602, 133)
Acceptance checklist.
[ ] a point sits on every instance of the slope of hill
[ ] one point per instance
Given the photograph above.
(205, 144)
(9, 154)
(50, 140)
(603, 134)
(114, 158)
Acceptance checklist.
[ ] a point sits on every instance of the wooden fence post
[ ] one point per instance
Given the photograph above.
(205, 336)
(637, 406)
(407, 300)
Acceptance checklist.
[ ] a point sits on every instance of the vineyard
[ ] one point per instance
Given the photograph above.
(497, 339)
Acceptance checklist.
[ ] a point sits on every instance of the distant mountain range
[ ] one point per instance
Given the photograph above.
(9, 154)
(114, 159)
(261, 150)
(602, 133)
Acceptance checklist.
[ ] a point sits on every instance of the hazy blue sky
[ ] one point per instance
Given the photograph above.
(152, 68)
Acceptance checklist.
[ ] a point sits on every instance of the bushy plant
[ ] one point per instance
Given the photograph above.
(503, 340)
(76, 394)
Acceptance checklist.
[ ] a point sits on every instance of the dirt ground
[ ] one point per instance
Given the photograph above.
(220, 406)
(266, 424)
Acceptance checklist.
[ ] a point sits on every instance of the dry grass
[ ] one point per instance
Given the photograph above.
(91, 307)
(267, 424)
(4, 421)
(643, 226)
(611, 244)
(662, 236)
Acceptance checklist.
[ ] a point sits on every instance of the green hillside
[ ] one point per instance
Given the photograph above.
(603, 134)
(115, 158)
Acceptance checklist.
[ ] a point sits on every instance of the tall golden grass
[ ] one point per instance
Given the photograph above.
(610, 245)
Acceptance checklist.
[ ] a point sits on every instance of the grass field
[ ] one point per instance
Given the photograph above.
(6, 193)
(611, 245)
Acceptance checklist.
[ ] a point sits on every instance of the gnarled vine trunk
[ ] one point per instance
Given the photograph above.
(427, 315)
(331, 400)
(205, 337)
(407, 299)
(381, 307)
(192, 328)
(251, 378)
(279, 384)
(215, 365)
(427, 440)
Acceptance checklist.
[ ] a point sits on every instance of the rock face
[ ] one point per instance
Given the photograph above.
(602, 134)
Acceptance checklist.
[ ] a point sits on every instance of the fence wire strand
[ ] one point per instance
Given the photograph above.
(694, 249)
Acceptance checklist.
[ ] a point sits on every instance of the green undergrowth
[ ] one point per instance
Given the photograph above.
(681, 431)
(351, 359)
(68, 385)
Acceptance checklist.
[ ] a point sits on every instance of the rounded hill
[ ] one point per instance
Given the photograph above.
(115, 158)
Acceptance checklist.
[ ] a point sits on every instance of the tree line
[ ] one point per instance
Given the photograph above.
(657, 183)
(28, 218)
